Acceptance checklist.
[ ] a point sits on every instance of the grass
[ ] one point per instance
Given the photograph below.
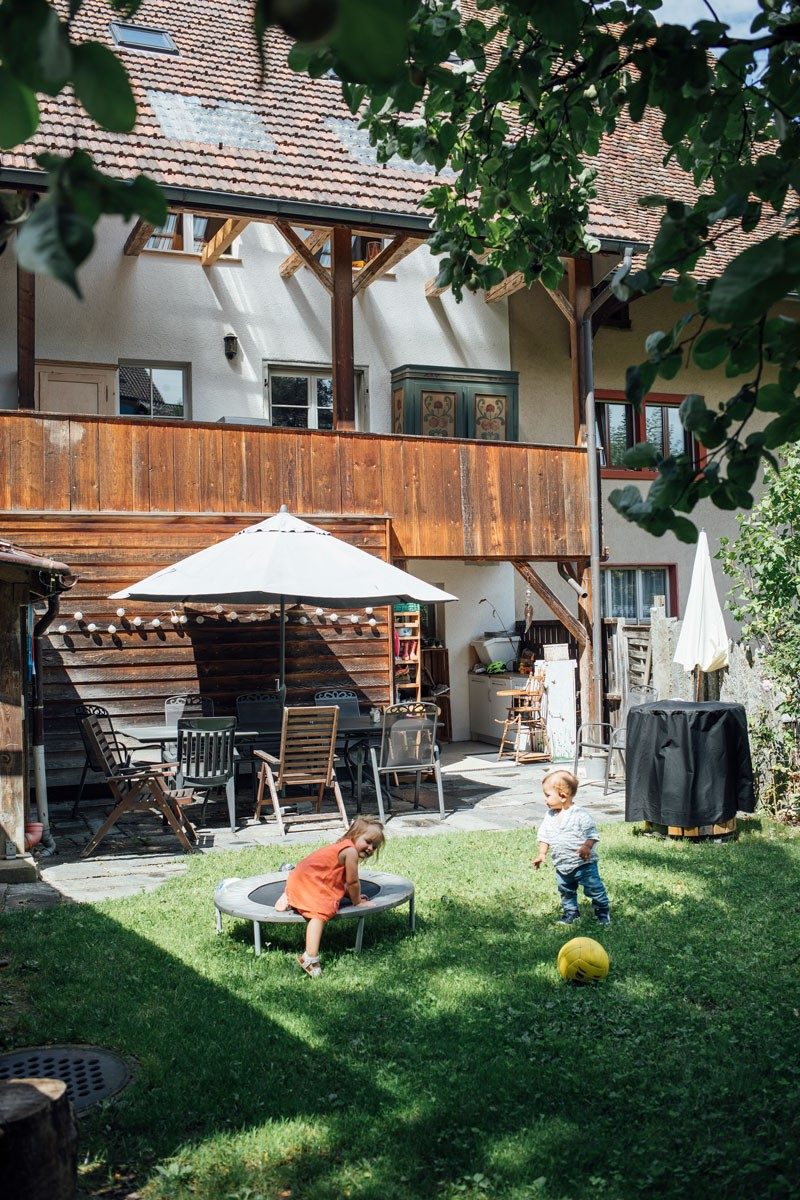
(454, 1064)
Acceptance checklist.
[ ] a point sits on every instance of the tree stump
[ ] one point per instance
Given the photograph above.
(38, 1140)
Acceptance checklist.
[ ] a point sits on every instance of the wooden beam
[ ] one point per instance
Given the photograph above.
(300, 247)
(579, 286)
(572, 624)
(506, 287)
(138, 238)
(222, 239)
(589, 710)
(344, 398)
(313, 243)
(26, 339)
(398, 249)
(561, 302)
(13, 778)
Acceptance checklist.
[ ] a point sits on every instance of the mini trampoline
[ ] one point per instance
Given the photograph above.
(253, 899)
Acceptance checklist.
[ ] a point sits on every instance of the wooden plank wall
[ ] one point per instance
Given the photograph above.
(446, 498)
(133, 670)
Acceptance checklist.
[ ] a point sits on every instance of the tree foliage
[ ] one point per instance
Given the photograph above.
(513, 103)
(509, 101)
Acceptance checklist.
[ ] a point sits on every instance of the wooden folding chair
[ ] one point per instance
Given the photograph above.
(136, 789)
(308, 744)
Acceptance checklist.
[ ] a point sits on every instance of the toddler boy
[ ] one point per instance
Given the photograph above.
(572, 836)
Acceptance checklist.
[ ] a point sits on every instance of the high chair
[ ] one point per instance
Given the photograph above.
(524, 725)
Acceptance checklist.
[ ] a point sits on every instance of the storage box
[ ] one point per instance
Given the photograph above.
(493, 650)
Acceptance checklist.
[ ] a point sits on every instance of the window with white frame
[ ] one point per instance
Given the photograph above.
(153, 390)
(142, 37)
(187, 233)
(297, 397)
(629, 592)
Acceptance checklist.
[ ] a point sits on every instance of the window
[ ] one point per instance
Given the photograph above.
(138, 37)
(188, 232)
(629, 591)
(153, 390)
(364, 250)
(619, 427)
(302, 397)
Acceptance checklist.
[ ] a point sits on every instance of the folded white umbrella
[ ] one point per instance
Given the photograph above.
(703, 641)
(286, 560)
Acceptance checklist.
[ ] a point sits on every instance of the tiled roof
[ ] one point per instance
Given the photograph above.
(207, 126)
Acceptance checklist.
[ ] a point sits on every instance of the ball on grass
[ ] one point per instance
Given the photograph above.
(582, 960)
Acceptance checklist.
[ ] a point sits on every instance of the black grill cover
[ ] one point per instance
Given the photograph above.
(687, 764)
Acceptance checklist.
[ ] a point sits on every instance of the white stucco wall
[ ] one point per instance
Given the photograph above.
(166, 308)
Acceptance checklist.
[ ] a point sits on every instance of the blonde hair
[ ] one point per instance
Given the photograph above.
(362, 825)
(560, 776)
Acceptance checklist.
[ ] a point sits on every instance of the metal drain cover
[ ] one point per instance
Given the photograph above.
(90, 1073)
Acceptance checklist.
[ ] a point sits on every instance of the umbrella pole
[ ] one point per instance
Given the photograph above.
(698, 684)
(282, 647)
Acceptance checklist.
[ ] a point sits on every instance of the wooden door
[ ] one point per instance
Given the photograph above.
(80, 388)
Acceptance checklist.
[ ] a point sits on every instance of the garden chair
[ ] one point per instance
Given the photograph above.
(347, 703)
(93, 761)
(408, 747)
(601, 738)
(262, 711)
(206, 759)
(136, 789)
(189, 704)
(308, 743)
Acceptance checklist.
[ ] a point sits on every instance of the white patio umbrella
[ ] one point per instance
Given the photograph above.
(283, 560)
(703, 642)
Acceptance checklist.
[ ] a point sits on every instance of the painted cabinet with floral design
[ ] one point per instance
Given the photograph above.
(455, 402)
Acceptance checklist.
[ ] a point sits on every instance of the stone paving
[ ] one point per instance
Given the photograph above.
(140, 854)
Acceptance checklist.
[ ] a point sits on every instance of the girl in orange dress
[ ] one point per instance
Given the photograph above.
(317, 885)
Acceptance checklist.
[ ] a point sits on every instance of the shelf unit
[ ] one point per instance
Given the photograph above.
(408, 663)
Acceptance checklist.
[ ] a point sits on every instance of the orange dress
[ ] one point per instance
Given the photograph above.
(317, 884)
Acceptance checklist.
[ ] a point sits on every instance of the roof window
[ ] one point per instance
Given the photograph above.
(138, 37)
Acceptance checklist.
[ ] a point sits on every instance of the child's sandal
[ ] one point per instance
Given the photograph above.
(311, 967)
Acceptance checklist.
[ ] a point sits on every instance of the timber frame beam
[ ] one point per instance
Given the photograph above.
(137, 238)
(307, 258)
(535, 581)
(398, 249)
(222, 239)
(313, 244)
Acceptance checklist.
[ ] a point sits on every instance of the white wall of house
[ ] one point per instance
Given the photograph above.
(165, 308)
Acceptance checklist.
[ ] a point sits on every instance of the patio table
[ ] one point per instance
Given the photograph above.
(152, 735)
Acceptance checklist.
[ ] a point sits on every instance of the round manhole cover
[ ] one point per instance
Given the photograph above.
(90, 1073)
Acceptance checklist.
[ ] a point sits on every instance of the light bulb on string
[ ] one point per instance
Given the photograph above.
(92, 627)
(200, 620)
(369, 611)
(372, 622)
(233, 616)
(120, 612)
(334, 618)
(112, 629)
(62, 629)
(78, 616)
(319, 612)
(155, 623)
(354, 619)
(136, 622)
(183, 619)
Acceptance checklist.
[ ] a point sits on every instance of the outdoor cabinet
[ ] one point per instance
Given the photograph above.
(456, 402)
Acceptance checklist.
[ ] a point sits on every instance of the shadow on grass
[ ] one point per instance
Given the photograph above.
(454, 1063)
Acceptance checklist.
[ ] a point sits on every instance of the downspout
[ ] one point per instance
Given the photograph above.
(594, 486)
(39, 773)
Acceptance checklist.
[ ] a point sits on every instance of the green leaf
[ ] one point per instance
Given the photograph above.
(19, 112)
(755, 280)
(560, 23)
(371, 39)
(53, 241)
(643, 454)
(102, 86)
(711, 349)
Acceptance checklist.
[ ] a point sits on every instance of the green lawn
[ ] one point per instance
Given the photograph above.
(450, 1064)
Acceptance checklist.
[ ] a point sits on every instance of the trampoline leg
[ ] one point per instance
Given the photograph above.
(256, 938)
(218, 920)
(360, 936)
(412, 916)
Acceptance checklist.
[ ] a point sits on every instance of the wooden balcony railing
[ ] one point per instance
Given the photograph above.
(445, 498)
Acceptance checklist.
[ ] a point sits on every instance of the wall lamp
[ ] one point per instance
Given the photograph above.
(231, 345)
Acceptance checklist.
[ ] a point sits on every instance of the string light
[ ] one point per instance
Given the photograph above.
(174, 618)
(253, 617)
(200, 620)
(334, 618)
(369, 611)
(217, 608)
(112, 629)
(354, 619)
(155, 623)
(62, 629)
(78, 616)
(319, 611)
(120, 612)
(136, 622)
(233, 616)
(92, 627)
(183, 619)
(373, 622)
(304, 620)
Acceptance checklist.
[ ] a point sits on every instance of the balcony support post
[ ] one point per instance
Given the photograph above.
(342, 357)
(26, 339)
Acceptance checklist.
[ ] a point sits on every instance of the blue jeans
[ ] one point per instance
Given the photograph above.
(586, 876)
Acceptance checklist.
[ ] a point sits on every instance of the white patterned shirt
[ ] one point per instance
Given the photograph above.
(565, 831)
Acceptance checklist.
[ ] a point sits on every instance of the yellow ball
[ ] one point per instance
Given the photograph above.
(582, 960)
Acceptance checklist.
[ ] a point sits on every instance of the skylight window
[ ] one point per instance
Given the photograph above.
(138, 37)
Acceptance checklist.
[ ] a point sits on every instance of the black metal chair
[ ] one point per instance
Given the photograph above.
(408, 747)
(262, 712)
(92, 761)
(206, 759)
(347, 703)
(188, 704)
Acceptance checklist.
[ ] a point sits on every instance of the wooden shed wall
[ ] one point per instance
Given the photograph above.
(132, 671)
